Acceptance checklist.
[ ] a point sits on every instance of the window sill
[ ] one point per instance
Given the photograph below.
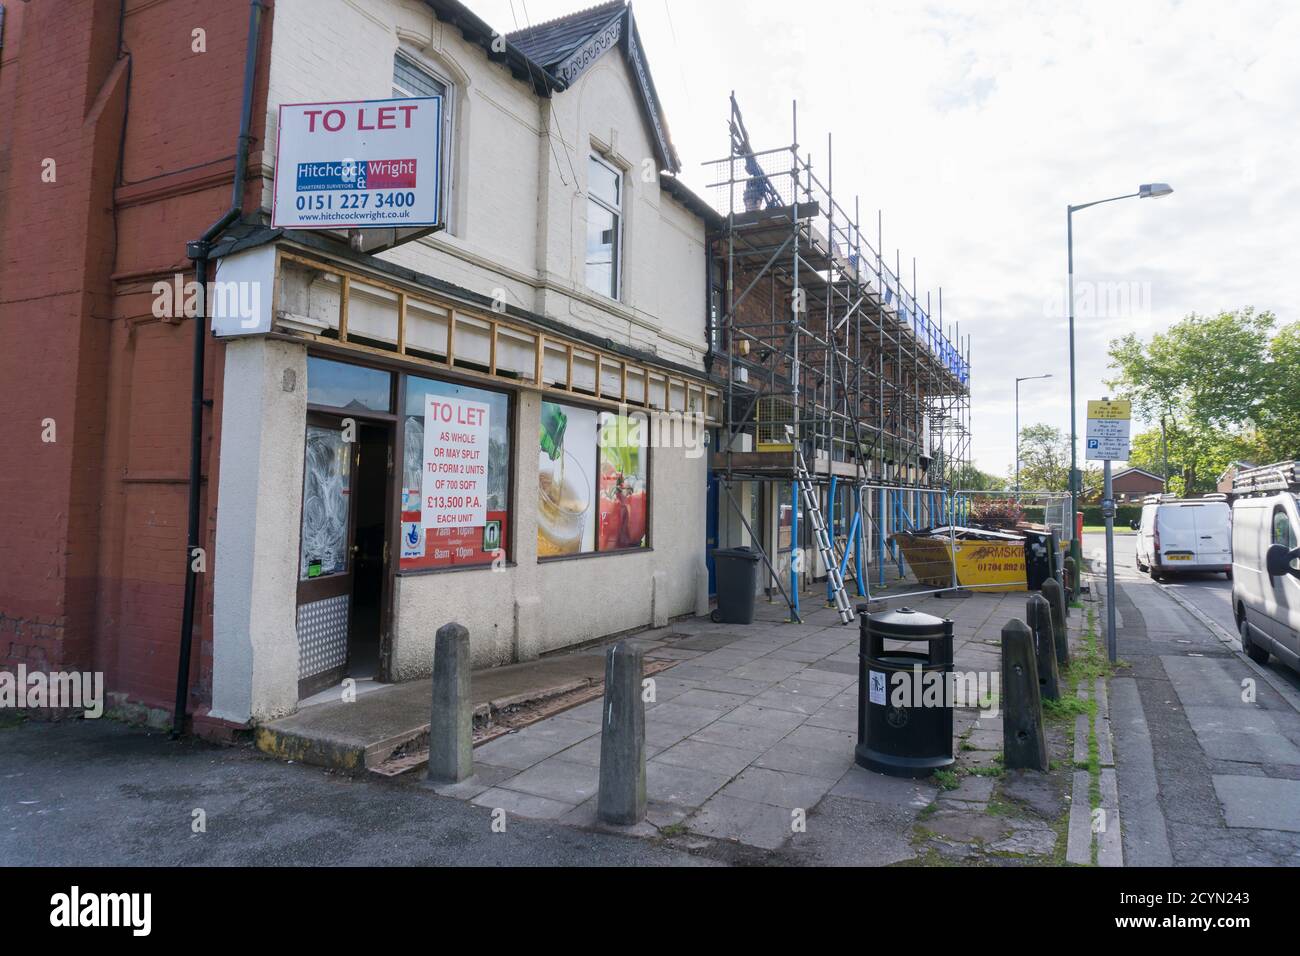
(557, 558)
(423, 572)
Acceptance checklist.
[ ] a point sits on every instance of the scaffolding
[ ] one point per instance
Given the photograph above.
(821, 347)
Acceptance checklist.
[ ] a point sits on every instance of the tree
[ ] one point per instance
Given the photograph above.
(1044, 459)
(970, 478)
(1278, 415)
(1217, 389)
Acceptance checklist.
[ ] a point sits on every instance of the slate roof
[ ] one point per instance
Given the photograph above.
(549, 44)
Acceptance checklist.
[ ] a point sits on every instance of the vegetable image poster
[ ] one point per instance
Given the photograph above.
(624, 513)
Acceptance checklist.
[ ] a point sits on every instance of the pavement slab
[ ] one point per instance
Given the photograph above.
(778, 788)
(684, 786)
(1260, 802)
(697, 753)
(557, 779)
(522, 804)
(754, 824)
(862, 784)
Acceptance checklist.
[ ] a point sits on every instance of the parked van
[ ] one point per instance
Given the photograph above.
(1266, 559)
(1181, 535)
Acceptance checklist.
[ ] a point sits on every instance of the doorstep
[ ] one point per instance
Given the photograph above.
(357, 735)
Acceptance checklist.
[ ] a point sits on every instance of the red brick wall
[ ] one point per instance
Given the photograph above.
(92, 571)
(769, 302)
(1135, 484)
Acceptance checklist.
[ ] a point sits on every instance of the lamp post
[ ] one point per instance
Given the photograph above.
(1027, 378)
(1146, 191)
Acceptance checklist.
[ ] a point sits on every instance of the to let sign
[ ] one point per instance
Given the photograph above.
(1108, 430)
(364, 164)
(453, 484)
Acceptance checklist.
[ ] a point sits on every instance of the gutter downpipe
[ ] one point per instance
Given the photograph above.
(197, 251)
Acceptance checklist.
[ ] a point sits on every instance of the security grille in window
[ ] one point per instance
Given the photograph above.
(604, 227)
(410, 79)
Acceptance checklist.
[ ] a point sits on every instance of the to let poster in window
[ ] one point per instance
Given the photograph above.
(453, 487)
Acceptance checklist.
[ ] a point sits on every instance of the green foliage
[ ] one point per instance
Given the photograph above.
(1044, 459)
(1092, 516)
(1222, 386)
(970, 478)
(947, 779)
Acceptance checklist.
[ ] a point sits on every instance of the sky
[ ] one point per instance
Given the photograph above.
(972, 126)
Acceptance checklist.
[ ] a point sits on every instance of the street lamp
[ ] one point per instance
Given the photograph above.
(1146, 191)
(1027, 378)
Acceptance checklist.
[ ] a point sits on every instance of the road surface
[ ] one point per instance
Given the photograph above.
(1207, 744)
(96, 793)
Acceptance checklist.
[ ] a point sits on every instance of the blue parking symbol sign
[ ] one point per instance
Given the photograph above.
(1093, 443)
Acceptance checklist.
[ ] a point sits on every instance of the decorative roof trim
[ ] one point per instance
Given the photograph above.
(591, 49)
(649, 98)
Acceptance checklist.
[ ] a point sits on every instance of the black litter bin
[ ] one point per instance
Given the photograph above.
(736, 574)
(902, 729)
(1038, 558)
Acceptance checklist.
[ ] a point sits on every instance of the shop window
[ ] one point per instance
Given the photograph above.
(341, 385)
(604, 227)
(456, 476)
(592, 487)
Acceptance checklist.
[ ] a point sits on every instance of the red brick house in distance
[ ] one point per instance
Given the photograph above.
(1134, 484)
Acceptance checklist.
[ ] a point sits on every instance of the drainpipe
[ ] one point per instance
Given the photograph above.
(198, 250)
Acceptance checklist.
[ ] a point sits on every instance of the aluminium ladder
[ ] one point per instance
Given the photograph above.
(814, 512)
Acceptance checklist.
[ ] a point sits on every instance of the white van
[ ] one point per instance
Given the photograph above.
(1187, 534)
(1266, 586)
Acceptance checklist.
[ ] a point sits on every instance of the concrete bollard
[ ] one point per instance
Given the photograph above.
(1071, 582)
(621, 799)
(1055, 595)
(1024, 743)
(451, 719)
(1039, 615)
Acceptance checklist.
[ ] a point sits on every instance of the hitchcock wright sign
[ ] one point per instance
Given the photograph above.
(365, 164)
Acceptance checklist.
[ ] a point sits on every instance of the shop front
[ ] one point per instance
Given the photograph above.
(394, 457)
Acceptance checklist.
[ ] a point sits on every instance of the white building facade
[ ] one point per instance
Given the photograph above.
(565, 302)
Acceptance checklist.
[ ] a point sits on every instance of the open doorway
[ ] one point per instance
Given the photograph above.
(370, 550)
(343, 576)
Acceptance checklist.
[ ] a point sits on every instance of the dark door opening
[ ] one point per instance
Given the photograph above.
(369, 549)
(343, 574)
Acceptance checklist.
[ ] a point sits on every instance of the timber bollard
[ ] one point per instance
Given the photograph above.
(1024, 744)
(451, 720)
(1038, 613)
(1055, 595)
(621, 799)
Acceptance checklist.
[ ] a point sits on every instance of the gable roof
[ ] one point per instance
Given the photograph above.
(566, 47)
(548, 44)
(1140, 471)
(474, 29)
